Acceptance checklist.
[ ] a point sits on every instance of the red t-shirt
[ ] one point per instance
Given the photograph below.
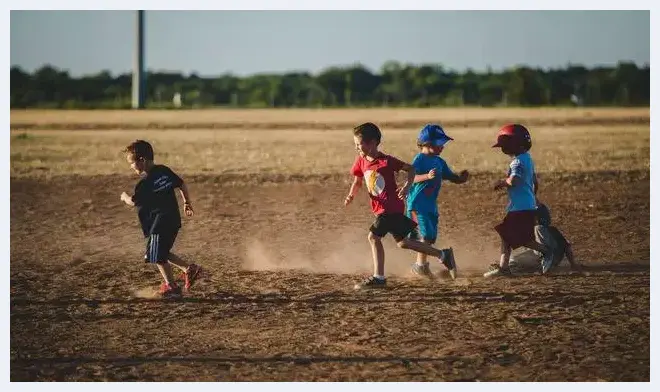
(379, 177)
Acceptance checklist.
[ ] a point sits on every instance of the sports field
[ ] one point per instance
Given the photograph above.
(283, 254)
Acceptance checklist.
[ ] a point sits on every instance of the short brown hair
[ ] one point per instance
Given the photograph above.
(367, 132)
(140, 149)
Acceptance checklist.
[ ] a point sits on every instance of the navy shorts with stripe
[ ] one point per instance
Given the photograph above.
(159, 246)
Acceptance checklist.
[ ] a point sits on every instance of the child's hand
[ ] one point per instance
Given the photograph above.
(500, 184)
(403, 191)
(348, 200)
(431, 174)
(187, 208)
(463, 177)
(126, 198)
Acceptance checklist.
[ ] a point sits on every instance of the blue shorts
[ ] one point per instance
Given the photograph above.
(427, 226)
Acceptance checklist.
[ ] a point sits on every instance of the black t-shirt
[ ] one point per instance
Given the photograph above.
(157, 207)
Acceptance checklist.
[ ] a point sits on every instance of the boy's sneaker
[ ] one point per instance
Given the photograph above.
(547, 261)
(170, 290)
(449, 261)
(371, 283)
(422, 270)
(191, 274)
(495, 270)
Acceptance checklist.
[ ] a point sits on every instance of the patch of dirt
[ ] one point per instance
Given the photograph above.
(278, 302)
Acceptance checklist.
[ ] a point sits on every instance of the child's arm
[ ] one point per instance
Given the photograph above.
(460, 178)
(449, 175)
(185, 196)
(424, 177)
(137, 199)
(418, 165)
(355, 186)
(508, 182)
(403, 191)
(516, 170)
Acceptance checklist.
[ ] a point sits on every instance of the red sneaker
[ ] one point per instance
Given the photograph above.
(170, 290)
(191, 275)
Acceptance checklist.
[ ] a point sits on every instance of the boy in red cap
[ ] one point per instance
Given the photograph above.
(517, 228)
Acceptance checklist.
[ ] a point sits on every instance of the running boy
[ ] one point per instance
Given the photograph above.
(378, 170)
(422, 202)
(158, 212)
(517, 228)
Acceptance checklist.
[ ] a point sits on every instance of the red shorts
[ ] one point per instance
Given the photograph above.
(517, 228)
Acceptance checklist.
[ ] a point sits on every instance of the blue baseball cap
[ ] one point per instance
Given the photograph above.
(434, 135)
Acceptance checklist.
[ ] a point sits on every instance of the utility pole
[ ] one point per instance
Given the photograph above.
(138, 63)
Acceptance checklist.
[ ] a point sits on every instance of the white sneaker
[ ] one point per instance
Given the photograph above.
(495, 270)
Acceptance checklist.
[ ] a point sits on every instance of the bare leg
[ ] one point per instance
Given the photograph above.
(177, 262)
(420, 247)
(421, 257)
(505, 254)
(166, 272)
(378, 253)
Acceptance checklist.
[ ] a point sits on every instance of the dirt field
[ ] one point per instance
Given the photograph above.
(283, 254)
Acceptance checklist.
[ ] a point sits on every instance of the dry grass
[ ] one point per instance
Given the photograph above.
(319, 118)
(48, 153)
(290, 141)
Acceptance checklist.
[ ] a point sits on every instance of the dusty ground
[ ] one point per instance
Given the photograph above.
(278, 302)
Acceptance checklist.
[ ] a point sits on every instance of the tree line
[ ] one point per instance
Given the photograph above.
(394, 85)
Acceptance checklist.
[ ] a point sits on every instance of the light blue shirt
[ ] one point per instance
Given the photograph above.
(423, 195)
(521, 196)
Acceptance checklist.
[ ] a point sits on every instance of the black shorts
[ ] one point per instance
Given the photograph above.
(159, 246)
(398, 225)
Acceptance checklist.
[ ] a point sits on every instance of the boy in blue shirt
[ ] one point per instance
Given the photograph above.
(422, 201)
(517, 228)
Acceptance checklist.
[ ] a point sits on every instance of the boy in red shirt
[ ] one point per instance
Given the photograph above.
(378, 171)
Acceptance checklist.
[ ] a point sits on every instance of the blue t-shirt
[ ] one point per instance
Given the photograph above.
(521, 196)
(423, 195)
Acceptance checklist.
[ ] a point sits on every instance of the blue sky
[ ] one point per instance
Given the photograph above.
(247, 42)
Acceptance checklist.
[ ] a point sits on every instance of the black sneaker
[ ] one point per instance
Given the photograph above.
(449, 261)
(371, 283)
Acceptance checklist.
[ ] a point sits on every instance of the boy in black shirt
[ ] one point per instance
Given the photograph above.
(158, 212)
